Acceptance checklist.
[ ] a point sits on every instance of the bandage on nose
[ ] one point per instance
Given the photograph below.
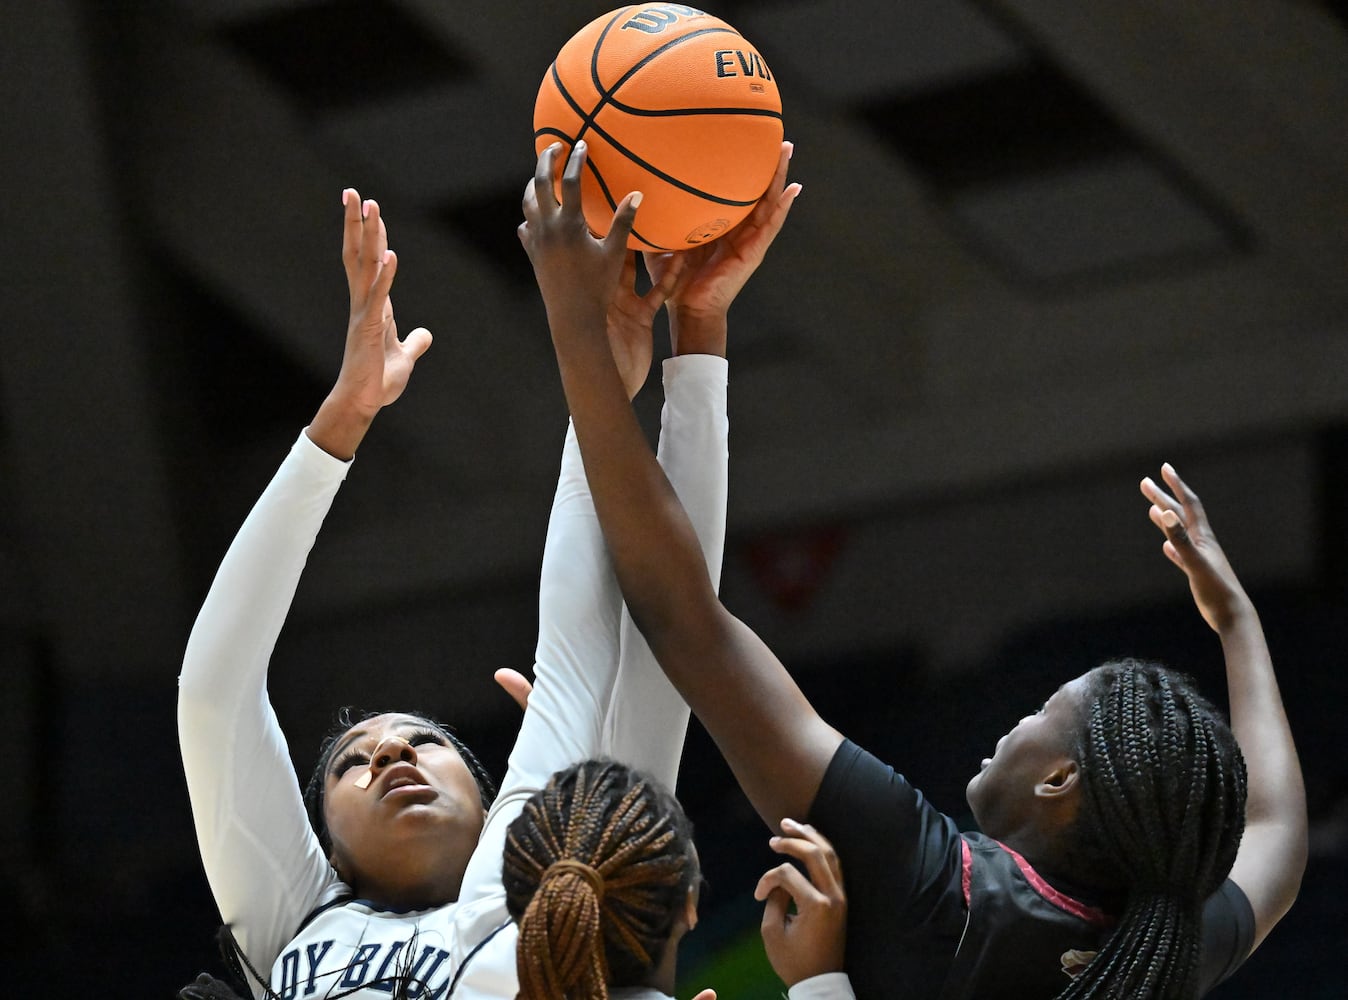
(364, 780)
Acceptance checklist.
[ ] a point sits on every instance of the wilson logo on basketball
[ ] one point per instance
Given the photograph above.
(654, 20)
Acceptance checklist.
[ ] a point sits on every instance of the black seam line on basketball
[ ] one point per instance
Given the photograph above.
(575, 105)
(669, 178)
(613, 205)
(676, 112)
(606, 93)
(588, 122)
(539, 133)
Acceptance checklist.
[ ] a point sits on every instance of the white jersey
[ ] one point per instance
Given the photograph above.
(597, 692)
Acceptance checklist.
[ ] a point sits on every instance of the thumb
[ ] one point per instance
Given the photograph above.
(665, 270)
(706, 995)
(417, 343)
(514, 684)
(623, 219)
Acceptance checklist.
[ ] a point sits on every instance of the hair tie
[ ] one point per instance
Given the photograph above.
(587, 872)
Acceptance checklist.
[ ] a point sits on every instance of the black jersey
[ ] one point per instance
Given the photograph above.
(936, 913)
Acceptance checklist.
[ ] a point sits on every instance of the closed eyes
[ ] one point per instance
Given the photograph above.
(352, 758)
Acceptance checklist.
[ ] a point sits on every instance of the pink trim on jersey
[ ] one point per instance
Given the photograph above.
(1062, 901)
(967, 876)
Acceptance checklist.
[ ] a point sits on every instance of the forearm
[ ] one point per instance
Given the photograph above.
(1272, 855)
(773, 740)
(1260, 724)
(576, 656)
(647, 717)
(655, 550)
(575, 661)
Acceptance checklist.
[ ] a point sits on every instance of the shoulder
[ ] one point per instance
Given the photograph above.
(860, 789)
(1228, 934)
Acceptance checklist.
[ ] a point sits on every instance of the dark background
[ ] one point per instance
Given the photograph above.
(1042, 247)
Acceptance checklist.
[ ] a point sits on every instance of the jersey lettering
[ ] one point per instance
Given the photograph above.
(290, 977)
(359, 969)
(383, 979)
(419, 980)
(380, 967)
(315, 955)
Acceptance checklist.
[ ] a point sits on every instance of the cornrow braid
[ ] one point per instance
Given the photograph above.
(316, 789)
(596, 869)
(1163, 809)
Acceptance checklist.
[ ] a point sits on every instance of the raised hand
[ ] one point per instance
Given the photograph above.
(813, 939)
(631, 315)
(714, 273)
(376, 365)
(576, 273)
(1191, 545)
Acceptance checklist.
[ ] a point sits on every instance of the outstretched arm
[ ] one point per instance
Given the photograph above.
(264, 864)
(648, 718)
(774, 741)
(577, 654)
(1272, 854)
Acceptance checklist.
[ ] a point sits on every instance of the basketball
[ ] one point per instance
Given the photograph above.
(674, 103)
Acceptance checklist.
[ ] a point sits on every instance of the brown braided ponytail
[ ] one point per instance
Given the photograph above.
(1162, 814)
(597, 867)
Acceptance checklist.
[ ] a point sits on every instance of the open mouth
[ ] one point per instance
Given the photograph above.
(402, 776)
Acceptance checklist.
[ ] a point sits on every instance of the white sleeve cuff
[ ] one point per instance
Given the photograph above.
(315, 458)
(828, 986)
(707, 366)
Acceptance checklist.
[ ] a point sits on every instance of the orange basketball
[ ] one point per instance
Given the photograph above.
(674, 103)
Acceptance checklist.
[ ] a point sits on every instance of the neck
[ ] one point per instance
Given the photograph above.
(663, 976)
(411, 894)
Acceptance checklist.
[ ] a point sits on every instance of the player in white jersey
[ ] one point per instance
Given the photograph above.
(396, 890)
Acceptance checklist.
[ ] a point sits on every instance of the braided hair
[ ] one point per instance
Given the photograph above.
(316, 790)
(1162, 812)
(597, 867)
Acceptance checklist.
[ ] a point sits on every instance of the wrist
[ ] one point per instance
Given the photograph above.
(1237, 615)
(340, 425)
(694, 331)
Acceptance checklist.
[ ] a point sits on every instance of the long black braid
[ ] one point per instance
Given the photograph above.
(1162, 813)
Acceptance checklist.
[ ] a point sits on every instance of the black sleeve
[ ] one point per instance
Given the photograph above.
(1228, 935)
(901, 864)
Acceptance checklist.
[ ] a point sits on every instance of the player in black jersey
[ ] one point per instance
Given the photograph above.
(1118, 808)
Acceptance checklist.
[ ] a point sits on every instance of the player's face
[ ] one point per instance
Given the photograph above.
(403, 811)
(1003, 793)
